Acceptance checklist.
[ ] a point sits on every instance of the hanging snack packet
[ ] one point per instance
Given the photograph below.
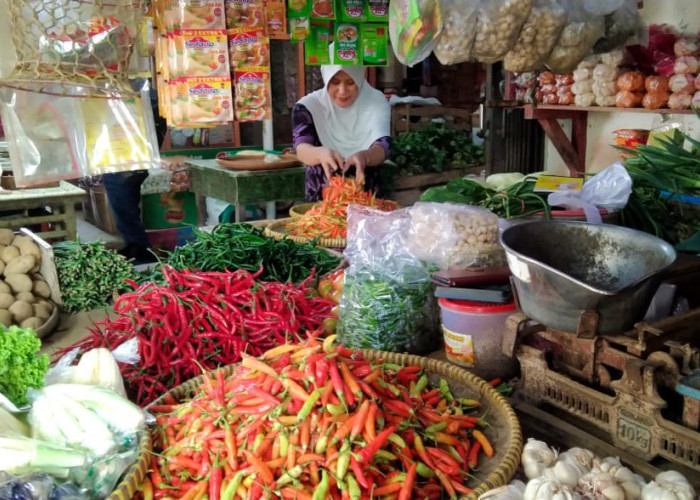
(298, 8)
(299, 28)
(248, 48)
(351, 11)
(316, 45)
(245, 14)
(276, 16)
(322, 10)
(253, 94)
(201, 53)
(195, 15)
(347, 44)
(414, 29)
(203, 100)
(376, 10)
(375, 45)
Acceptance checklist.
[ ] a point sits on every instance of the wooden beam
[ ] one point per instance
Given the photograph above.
(301, 71)
(564, 146)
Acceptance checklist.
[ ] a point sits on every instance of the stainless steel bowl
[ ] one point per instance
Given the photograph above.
(562, 269)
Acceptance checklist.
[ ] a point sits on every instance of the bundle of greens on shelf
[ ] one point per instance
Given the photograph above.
(232, 246)
(90, 273)
(434, 148)
(21, 366)
(510, 201)
(661, 174)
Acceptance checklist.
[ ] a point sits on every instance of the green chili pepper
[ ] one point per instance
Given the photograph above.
(424, 471)
(420, 386)
(445, 390)
(232, 487)
(440, 426)
(322, 487)
(309, 404)
(354, 487)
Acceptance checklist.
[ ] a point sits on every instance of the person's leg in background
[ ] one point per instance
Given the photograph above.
(124, 195)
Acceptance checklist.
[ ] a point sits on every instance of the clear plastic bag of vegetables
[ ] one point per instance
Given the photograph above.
(387, 301)
(537, 36)
(414, 27)
(497, 28)
(457, 38)
(578, 37)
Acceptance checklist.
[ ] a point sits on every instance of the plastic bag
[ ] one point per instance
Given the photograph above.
(459, 27)
(628, 99)
(685, 47)
(584, 100)
(537, 36)
(622, 27)
(497, 29)
(679, 100)
(387, 301)
(414, 29)
(579, 35)
(583, 74)
(655, 100)
(37, 486)
(605, 101)
(609, 189)
(605, 73)
(582, 87)
(682, 83)
(656, 84)
(685, 65)
(604, 88)
(632, 81)
(451, 235)
(613, 58)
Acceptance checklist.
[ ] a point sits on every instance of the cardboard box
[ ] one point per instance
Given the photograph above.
(168, 239)
(169, 210)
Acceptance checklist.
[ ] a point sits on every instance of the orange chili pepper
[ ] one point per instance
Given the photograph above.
(483, 440)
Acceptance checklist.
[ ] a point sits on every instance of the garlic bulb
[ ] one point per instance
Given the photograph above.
(668, 485)
(542, 488)
(565, 473)
(536, 457)
(581, 456)
(621, 484)
(512, 491)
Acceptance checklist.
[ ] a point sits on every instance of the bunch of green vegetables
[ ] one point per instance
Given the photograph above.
(232, 246)
(434, 148)
(380, 312)
(89, 274)
(508, 200)
(660, 175)
(21, 366)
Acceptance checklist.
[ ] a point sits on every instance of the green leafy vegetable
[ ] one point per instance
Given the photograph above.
(242, 246)
(434, 148)
(20, 366)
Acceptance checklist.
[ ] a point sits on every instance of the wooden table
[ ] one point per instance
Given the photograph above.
(241, 187)
(59, 200)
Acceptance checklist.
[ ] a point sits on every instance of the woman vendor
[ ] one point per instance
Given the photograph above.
(341, 127)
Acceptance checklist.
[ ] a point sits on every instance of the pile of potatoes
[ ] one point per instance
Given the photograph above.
(24, 294)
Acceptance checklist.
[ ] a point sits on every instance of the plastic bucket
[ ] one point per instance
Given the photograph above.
(473, 335)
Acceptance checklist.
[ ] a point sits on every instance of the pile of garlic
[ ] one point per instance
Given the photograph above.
(578, 474)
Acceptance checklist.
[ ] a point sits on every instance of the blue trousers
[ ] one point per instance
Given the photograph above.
(124, 195)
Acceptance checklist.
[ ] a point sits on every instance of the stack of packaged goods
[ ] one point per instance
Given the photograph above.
(685, 68)
(630, 89)
(605, 76)
(583, 82)
(555, 89)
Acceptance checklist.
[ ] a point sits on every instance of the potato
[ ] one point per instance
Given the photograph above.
(19, 282)
(20, 265)
(6, 236)
(9, 253)
(2, 267)
(29, 247)
(41, 311)
(32, 322)
(6, 300)
(41, 288)
(4, 287)
(26, 296)
(21, 310)
(20, 239)
(5, 317)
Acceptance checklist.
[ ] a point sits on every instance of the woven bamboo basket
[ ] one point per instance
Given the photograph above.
(298, 210)
(278, 231)
(504, 433)
(136, 473)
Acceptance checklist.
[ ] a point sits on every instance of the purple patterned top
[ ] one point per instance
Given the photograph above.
(304, 132)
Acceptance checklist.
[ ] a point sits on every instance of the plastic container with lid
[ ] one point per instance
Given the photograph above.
(473, 334)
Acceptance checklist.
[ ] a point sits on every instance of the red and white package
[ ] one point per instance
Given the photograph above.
(682, 83)
(685, 65)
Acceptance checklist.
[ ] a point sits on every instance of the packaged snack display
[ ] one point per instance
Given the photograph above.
(323, 10)
(628, 99)
(194, 15)
(376, 10)
(604, 88)
(414, 27)
(245, 14)
(685, 65)
(457, 38)
(299, 28)
(632, 81)
(497, 28)
(298, 8)
(537, 36)
(375, 45)
(351, 11)
(679, 100)
(276, 17)
(579, 35)
(656, 84)
(316, 45)
(347, 44)
(253, 94)
(201, 100)
(248, 48)
(682, 83)
(199, 53)
(655, 100)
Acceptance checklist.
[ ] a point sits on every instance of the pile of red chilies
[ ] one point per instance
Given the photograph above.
(199, 321)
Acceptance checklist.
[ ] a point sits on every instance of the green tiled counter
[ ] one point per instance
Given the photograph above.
(242, 187)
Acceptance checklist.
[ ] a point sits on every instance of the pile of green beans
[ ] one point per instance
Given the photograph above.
(89, 274)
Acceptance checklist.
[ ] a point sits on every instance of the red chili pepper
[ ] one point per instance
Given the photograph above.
(368, 452)
(215, 479)
(359, 475)
(474, 454)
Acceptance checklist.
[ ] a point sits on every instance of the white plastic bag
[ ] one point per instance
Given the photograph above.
(497, 28)
(609, 189)
(459, 27)
(582, 31)
(414, 28)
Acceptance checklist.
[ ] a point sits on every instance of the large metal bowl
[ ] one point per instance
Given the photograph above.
(562, 269)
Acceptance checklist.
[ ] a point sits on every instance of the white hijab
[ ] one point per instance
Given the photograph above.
(355, 128)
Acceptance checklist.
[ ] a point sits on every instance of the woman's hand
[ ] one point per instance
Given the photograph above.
(330, 160)
(359, 160)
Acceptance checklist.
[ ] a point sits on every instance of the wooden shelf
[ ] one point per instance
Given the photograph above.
(532, 111)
